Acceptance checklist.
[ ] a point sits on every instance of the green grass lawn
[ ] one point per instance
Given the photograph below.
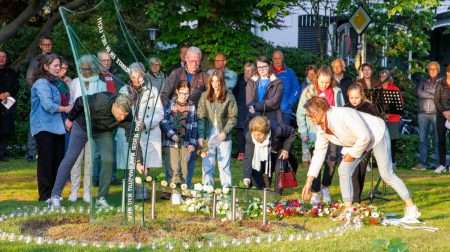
(431, 193)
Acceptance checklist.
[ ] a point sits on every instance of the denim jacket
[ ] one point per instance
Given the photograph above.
(44, 115)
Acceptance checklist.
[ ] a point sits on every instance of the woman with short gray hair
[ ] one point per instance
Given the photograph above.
(150, 111)
(156, 76)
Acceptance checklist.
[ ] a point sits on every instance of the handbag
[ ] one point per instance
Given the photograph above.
(286, 175)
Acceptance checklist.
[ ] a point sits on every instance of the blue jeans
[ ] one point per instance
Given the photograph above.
(221, 153)
(191, 168)
(427, 123)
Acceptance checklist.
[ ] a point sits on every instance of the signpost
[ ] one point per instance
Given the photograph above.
(360, 20)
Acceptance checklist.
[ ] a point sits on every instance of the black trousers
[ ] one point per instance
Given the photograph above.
(3, 140)
(240, 140)
(359, 176)
(50, 148)
(441, 133)
(325, 176)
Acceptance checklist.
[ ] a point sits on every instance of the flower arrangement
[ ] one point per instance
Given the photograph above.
(367, 214)
(200, 199)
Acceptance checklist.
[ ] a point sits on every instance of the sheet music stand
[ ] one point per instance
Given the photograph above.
(392, 101)
(387, 101)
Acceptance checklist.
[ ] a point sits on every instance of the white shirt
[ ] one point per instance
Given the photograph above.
(356, 131)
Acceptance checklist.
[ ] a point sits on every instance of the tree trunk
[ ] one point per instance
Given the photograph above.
(45, 30)
(11, 29)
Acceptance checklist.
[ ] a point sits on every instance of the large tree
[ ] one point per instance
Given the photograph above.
(216, 25)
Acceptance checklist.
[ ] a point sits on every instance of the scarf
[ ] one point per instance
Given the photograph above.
(134, 92)
(329, 95)
(90, 81)
(110, 84)
(262, 153)
(278, 69)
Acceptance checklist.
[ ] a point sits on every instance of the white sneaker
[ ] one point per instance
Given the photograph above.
(101, 202)
(54, 202)
(87, 198)
(73, 196)
(315, 199)
(440, 169)
(412, 215)
(325, 195)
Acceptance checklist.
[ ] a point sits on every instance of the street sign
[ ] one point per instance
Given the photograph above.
(360, 20)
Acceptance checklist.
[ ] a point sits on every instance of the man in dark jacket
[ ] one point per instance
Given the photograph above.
(191, 72)
(107, 113)
(9, 86)
(343, 81)
(426, 117)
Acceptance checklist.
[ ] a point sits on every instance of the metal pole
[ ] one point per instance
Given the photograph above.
(143, 203)
(153, 200)
(123, 195)
(214, 207)
(265, 207)
(364, 49)
(233, 204)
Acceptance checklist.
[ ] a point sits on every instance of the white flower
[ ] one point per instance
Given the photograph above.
(375, 215)
(164, 183)
(191, 209)
(149, 179)
(138, 180)
(226, 190)
(184, 187)
(218, 191)
(194, 193)
(198, 187)
(173, 185)
(208, 188)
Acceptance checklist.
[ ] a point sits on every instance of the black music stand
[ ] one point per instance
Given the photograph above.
(391, 101)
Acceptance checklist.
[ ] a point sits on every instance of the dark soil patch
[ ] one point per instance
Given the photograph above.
(77, 227)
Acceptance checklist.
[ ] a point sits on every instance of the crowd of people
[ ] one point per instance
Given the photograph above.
(193, 114)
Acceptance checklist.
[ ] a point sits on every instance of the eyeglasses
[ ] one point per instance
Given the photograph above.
(85, 69)
(183, 94)
(263, 67)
